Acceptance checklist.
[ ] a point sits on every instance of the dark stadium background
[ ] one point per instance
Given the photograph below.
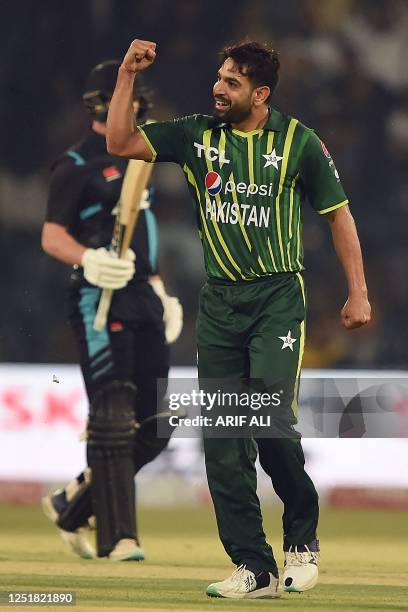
(343, 73)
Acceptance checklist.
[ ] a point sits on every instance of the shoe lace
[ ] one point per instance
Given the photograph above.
(296, 557)
(243, 578)
(239, 573)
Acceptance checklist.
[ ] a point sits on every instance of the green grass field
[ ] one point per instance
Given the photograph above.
(364, 563)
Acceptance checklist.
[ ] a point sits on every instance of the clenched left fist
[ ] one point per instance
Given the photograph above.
(355, 312)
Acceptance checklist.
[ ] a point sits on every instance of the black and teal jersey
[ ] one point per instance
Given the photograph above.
(248, 188)
(85, 186)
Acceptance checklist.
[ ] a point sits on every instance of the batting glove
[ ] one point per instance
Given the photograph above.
(172, 311)
(104, 269)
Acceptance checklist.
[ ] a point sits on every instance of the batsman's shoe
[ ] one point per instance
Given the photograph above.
(77, 541)
(127, 550)
(301, 571)
(244, 584)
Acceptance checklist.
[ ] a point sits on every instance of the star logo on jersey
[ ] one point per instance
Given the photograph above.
(288, 341)
(272, 159)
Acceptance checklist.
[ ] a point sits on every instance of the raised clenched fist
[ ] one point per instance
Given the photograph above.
(140, 55)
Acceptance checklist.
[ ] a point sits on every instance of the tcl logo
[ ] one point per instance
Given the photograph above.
(211, 153)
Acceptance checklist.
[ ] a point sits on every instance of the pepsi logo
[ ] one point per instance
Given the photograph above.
(213, 183)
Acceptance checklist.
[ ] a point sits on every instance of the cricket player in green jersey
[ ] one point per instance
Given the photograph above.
(249, 169)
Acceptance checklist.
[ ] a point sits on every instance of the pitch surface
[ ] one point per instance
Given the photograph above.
(364, 563)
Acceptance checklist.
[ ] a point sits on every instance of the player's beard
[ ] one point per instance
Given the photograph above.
(234, 114)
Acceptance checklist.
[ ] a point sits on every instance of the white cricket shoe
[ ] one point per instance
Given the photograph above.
(301, 571)
(127, 550)
(244, 584)
(77, 541)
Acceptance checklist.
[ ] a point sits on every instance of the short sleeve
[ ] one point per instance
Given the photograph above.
(166, 139)
(320, 178)
(66, 184)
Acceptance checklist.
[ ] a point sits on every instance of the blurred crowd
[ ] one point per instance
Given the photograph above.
(343, 73)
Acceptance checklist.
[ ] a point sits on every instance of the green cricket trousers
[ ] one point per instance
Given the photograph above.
(255, 330)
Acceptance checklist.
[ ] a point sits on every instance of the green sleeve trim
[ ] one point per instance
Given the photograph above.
(326, 210)
(149, 144)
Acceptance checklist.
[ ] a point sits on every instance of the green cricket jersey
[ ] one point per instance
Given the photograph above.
(248, 188)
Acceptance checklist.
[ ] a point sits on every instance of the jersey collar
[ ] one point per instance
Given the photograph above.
(275, 121)
(273, 124)
(98, 142)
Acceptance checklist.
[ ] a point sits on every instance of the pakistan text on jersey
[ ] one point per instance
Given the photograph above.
(230, 212)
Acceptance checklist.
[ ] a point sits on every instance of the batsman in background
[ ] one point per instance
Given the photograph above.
(122, 362)
(249, 170)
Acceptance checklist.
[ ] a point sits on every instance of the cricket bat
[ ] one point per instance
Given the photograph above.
(134, 183)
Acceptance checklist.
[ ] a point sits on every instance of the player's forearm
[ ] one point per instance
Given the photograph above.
(347, 246)
(120, 124)
(57, 242)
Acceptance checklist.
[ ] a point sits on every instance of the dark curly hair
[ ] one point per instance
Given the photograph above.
(257, 62)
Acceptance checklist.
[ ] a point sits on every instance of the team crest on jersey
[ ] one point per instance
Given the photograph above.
(271, 159)
(331, 162)
(116, 326)
(111, 173)
(325, 151)
(213, 183)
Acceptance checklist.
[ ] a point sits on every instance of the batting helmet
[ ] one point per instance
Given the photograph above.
(99, 88)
